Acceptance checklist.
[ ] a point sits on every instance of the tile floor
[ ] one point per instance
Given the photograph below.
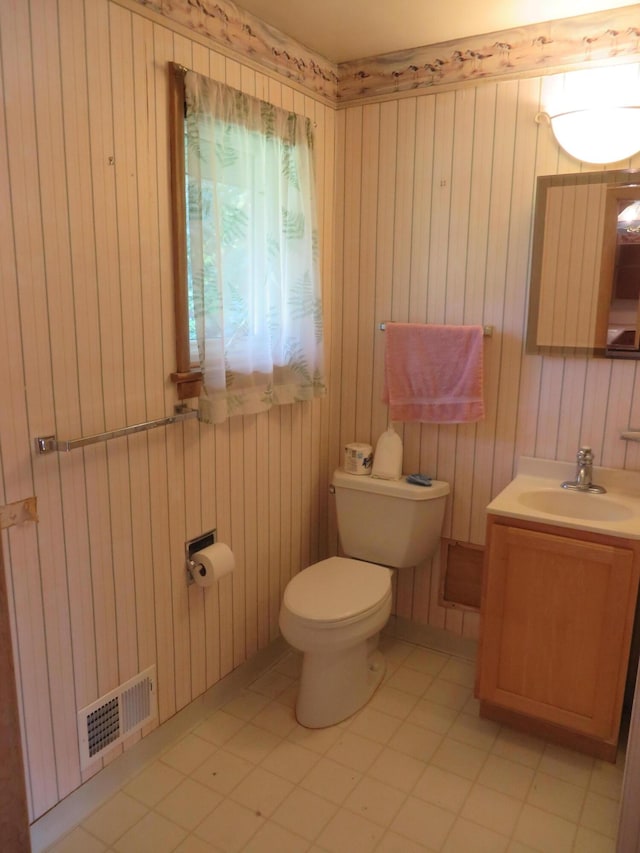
(416, 770)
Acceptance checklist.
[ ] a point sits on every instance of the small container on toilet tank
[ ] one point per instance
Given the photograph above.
(358, 458)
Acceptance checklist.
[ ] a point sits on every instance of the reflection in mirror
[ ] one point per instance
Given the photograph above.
(574, 308)
(621, 267)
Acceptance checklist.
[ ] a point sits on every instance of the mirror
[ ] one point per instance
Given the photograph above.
(621, 266)
(584, 296)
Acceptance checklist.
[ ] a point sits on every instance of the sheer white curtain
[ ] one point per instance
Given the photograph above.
(255, 295)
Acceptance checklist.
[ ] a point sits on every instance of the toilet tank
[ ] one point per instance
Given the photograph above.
(390, 522)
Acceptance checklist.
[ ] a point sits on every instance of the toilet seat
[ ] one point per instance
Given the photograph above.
(337, 591)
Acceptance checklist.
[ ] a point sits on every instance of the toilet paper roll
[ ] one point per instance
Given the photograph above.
(212, 563)
(358, 458)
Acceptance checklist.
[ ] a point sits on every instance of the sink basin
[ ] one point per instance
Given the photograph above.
(578, 505)
(535, 495)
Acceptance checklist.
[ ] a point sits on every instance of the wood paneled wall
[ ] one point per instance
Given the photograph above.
(430, 200)
(435, 200)
(97, 589)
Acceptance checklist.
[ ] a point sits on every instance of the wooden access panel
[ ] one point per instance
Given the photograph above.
(461, 575)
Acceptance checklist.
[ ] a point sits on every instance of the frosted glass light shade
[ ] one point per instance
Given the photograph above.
(600, 135)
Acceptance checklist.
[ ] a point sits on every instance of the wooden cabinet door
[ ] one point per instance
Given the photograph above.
(557, 617)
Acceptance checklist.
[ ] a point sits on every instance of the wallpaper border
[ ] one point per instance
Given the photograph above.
(597, 38)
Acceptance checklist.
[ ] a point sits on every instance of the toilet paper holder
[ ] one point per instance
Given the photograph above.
(192, 547)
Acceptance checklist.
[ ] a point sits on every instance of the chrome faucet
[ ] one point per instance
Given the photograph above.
(584, 471)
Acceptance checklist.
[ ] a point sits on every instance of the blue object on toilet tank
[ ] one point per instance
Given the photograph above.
(419, 479)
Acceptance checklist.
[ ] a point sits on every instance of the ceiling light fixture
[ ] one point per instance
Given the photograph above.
(603, 134)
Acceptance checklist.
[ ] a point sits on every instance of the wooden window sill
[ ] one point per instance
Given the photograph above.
(188, 384)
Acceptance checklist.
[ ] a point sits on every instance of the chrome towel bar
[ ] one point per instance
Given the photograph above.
(487, 331)
(50, 444)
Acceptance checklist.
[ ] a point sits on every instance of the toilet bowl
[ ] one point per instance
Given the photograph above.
(333, 612)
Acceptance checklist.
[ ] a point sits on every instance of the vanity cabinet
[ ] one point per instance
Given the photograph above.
(557, 619)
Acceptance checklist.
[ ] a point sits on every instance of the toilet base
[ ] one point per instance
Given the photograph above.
(335, 684)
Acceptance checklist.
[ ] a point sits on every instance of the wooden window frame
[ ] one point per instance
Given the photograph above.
(187, 376)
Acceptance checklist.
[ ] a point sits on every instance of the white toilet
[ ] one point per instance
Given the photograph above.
(334, 610)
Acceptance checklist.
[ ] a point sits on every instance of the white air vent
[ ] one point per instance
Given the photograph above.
(116, 715)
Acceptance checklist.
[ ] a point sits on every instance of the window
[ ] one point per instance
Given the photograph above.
(250, 252)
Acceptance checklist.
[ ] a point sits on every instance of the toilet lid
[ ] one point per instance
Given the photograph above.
(337, 589)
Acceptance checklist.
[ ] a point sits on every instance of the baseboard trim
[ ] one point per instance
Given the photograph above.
(71, 811)
(578, 742)
(431, 637)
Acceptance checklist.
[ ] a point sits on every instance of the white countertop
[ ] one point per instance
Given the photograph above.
(537, 475)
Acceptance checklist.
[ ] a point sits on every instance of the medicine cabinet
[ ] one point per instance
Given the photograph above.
(584, 296)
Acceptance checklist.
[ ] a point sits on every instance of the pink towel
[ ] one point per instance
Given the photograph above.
(433, 373)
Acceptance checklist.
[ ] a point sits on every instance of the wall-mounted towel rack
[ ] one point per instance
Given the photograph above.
(487, 331)
(50, 444)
